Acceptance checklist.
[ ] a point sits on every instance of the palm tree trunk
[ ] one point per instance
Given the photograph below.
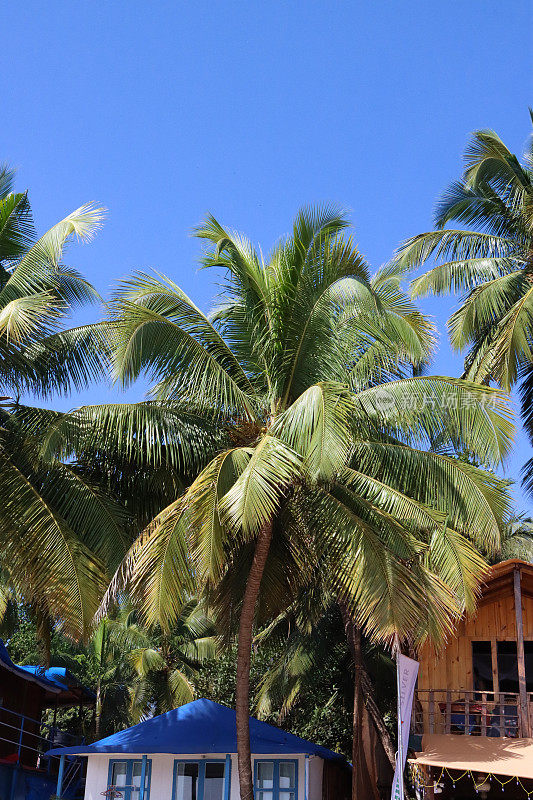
(44, 635)
(242, 688)
(377, 718)
(357, 749)
(363, 693)
(98, 711)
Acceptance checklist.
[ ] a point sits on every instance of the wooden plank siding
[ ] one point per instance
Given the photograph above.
(451, 666)
(450, 669)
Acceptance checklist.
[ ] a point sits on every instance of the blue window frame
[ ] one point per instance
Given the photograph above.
(275, 779)
(201, 779)
(125, 774)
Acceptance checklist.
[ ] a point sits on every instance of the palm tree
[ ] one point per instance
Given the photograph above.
(166, 663)
(113, 673)
(312, 628)
(56, 528)
(516, 540)
(489, 261)
(306, 445)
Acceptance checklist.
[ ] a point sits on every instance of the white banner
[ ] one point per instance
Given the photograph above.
(406, 673)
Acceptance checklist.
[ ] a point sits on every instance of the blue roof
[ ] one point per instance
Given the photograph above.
(61, 678)
(24, 672)
(198, 727)
(54, 679)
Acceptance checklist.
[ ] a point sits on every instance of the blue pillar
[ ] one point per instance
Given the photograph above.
(143, 777)
(227, 778)
(306, 779)
(60, 776)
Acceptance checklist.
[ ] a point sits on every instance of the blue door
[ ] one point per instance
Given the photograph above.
(125, 775)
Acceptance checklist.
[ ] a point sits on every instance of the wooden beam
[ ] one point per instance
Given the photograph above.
(525, 727)
(495, 678)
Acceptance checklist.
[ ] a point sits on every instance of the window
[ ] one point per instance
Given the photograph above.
(126, 776)
(482, 664)
(507, 667)
(199, 780)
(507, 660)
(275, 780)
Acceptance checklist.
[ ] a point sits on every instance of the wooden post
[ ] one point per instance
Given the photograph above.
(60, 776)
(431, 711)
(524, 711)
(429, 793)
(448, 720)
(495, 677)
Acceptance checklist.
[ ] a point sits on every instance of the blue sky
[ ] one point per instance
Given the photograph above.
(164, 111)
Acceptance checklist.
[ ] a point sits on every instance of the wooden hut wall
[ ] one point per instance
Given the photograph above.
(451, 666)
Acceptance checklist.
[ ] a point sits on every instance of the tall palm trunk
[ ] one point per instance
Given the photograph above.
(98, 711)
(377, 718)
(357, 737)
(244, 649)
(363, 695)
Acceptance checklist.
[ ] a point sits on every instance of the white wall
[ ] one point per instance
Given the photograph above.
(163, 766)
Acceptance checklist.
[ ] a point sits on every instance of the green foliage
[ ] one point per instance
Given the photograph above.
(57, 529)
(489, 263)
(323, 715)
(290, 402)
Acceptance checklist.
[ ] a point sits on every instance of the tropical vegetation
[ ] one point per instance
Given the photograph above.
(309, 447)
(294, 484)
(488, 258)
(57, 530)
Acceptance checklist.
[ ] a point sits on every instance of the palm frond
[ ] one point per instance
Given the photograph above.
(318, 427)
(256, 495)
(47, 560)
(463, 415)
(17, 232)
(40, 268)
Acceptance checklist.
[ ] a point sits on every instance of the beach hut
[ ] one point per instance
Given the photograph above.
(190, 754)
(473, 714)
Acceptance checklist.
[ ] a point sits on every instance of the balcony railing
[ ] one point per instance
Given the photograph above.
(469, 713)
(23, 740)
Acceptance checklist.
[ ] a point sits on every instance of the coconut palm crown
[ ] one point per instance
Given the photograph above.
(56, 530)
(483, 248)
(308, 444)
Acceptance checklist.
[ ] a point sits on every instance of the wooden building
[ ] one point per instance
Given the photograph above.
(28, 695)
(474, 700)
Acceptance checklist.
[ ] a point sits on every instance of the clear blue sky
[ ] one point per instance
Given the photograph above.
(163, 111)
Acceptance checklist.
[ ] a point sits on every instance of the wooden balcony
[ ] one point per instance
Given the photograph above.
(472, 713)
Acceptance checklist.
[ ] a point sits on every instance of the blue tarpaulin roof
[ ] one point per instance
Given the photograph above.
(24, 672)
(198, 727)
(60, 677)
(57, 680)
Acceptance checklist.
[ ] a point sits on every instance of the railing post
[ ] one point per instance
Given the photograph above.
(21, 734)
(467, 713)
(431, 711)
(484, 713)
(448, 720)
(59, 788)
(143, 777)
